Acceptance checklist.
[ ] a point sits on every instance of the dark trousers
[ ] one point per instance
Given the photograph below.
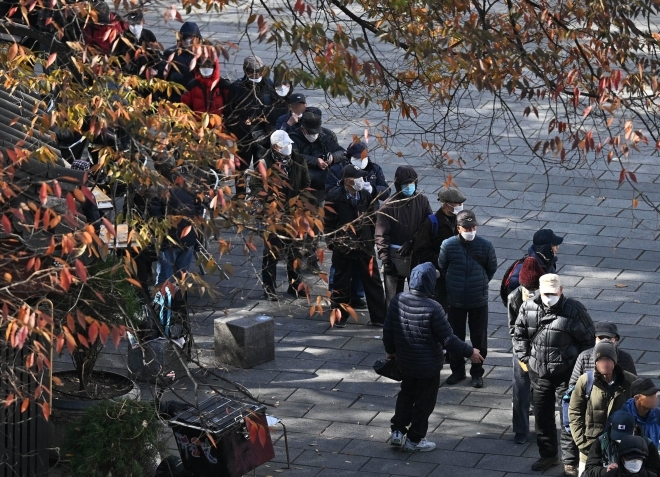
(521, 398)
(477, 320)
(414, 405)
(274, 249)
(546, 395)
(357, 289)
(441, 293)
(394, 285)
(346, 265)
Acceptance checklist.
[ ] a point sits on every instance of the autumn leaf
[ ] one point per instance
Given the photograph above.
(45, 409)
(25, 404)
(81, 271)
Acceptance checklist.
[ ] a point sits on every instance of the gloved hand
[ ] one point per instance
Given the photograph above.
(523, 366)
(406, 248)
(388, 268)
(367, 187)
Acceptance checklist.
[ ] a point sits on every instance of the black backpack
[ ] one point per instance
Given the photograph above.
(506, 280)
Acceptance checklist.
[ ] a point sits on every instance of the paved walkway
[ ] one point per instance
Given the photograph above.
(321, 383)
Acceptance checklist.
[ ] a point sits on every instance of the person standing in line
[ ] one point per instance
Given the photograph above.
(468, 263)
(551, 331)
(530, 274)
(415, 333)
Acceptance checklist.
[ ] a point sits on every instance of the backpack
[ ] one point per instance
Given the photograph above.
(565, 401)
(506, 280)
(435, 225)
(171, 309)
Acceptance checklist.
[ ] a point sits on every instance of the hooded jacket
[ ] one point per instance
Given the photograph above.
(588, 416)
(635, 443)
(604, 451)
(549, 340)
(400, 217)
(467, 267)
(417, 330)
(649, 425)
(206, 95)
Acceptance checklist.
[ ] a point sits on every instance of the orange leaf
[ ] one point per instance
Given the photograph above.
(6, 224)
(320, 253)
(70, 322)
(10, 399)
(12, 52)
(133, 281)
(51, 59)
(45, 408)
(43, 193)
(116, 336)
(104, 331)
(186, 231)
(81, 271)
(65, 279)
(25, 404)
(371, 267)
(262, 436)
(93, 332)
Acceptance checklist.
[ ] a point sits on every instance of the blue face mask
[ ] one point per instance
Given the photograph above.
(408, 189)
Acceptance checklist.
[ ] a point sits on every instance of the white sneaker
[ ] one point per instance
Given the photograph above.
(397, 438)
(421, 446)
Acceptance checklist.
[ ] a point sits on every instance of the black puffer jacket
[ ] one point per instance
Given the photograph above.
(549, 340)
(467, 267)
(325, 144)
(248, 108)
(417, 330)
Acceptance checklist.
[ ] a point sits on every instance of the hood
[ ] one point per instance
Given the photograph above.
(544, 254)
(422, 279)
(404, 174)
(213, 80)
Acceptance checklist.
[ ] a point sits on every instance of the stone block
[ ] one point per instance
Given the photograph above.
(154, 358)
(246, 341)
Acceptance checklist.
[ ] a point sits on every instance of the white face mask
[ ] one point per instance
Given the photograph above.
(550, 300)
(206, 72)
(286, 150)
(311, 137)
(358, 183)
(469, 236)
(186, 43)
(136, 30)
(282, 90)
(256, 80)
(360, 163)
(457, 209)
(633, 466)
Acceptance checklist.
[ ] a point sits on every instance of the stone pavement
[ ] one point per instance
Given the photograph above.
(321, 383)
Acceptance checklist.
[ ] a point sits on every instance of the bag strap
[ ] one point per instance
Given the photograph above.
(590, 383)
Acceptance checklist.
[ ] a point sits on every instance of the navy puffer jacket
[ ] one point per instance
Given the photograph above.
(417, 330)
(467, 267)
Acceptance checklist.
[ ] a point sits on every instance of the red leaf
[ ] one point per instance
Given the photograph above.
(51, 59)
(622, 176)
(59, 343)
(10, 399)
(371, 267)
(93, 332)
(104, 331)
(116, 336)
(70, 323)
(262, 436)
(25, 404)
(83, 340)
(45, 408)
(109, 226)
(81, 271)
(81, 319)
(320, 254)
(6, 224)
(43, 193)
(58, 189)
(632, 176)
(88, 194)
(186, 231)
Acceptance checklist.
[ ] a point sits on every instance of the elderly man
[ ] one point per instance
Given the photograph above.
(468, 263)
(551, 331)
(436, 229)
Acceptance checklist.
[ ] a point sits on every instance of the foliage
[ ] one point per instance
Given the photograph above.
(116, 438)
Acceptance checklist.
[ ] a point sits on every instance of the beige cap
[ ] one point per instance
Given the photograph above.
(549, 283)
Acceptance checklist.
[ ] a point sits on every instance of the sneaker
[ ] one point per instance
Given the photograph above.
(359, 304)
(477, 382)
(293, 290)
(544, 463)
(454, 379)
(520, 438)
(397, 438)
(421, 446)
(570, 470)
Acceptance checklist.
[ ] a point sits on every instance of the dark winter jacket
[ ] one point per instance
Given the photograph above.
(467, 267)
(293, 178)
(604, 451)
(427, 244)
(649, 426)
(375, 177)
(548, 266)
(177, 69)
(399, 219)
(325, 144)
(514, 302)
(549, 340)
(586, 361)
(635, 445)
(588, 417)
(417, 330)
(247, 109)
(357, 238)
(206, 95)
(178, 205)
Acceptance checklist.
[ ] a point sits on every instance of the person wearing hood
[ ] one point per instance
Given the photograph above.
(375, 183)
(349, 234)
(551, 331)
(398, 221)
(177, 64)
(633, 459)
(287, 178)
(588, 414)
(207, 93)
(544, 248)
(435, 229)
(415, 333)
(643, 405)
(468, 263)
(530, 274)
(604, 452)
(250, 102)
